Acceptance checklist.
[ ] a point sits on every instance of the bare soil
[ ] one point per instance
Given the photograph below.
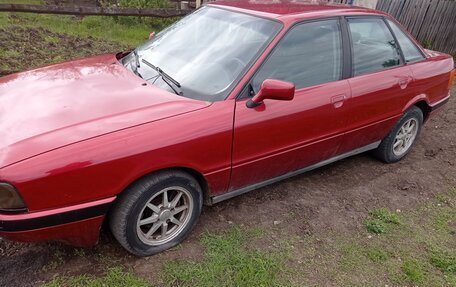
(333, 199)
(44, 47)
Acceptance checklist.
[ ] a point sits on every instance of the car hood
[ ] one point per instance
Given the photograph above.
(47, 108)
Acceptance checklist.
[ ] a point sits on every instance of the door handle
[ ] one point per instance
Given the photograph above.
(338, 101)
(403, 82)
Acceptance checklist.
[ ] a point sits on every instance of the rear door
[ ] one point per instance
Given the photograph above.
(380, 82)
(279, 137)
(430, 75)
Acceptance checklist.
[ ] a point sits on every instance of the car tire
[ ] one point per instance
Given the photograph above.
(398, 143)
(156, 212)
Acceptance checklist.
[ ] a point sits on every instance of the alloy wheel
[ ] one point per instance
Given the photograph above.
(405, 137)
(164, 216)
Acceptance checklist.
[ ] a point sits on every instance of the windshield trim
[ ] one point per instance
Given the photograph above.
(236, 10)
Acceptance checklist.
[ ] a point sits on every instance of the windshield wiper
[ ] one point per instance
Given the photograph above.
(164, 76)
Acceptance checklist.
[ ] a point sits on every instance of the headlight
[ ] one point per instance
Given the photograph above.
(10, 200)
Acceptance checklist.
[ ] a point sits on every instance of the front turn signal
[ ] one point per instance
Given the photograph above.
(10, 200)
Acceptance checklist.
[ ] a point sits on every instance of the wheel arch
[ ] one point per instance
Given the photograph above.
(422, 102)
(425, 108)
(198, 176)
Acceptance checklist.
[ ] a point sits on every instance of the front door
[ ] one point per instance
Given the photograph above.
(279, 137)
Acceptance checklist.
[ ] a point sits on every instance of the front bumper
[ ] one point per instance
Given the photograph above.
(77, 225)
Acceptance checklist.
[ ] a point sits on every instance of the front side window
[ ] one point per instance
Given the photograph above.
(409, 49)
(204, 53)
(308, 55)
(373, 45)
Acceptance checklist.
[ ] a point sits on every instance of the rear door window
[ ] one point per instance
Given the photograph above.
(373, 46)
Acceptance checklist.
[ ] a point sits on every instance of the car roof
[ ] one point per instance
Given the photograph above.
(296, 9)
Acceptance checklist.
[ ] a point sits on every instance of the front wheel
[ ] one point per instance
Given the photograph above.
(156, 213)
(402, 137)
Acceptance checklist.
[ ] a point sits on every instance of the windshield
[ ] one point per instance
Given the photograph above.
(205, 53)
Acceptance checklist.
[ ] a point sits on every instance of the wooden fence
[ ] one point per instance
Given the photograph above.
(94, 10)
(432, 22)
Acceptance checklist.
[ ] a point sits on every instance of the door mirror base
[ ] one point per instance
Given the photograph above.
(251, 104)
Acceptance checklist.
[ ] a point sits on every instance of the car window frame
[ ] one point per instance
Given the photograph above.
(345, 56)
(382, 18)
(407, 34)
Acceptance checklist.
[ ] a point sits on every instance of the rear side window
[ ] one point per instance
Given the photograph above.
(373, 45)
(308, 55)
(409, 49)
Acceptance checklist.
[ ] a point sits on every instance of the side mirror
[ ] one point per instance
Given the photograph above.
(273, 90)
(151, 35)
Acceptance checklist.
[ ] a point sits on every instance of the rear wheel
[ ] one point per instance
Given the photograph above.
(402, 137)
(156, 213)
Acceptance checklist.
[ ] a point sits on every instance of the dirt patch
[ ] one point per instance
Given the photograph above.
(19, 262)
(43, 47)
(331, 200)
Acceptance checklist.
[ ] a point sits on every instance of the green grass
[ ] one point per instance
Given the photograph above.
(105, 28)
(381, 220)
(144, 3)
(377, 254)
(129, 31)
(9, 53)
(413, 248)
(414, 271)
(414, 252)
(35, 2)
(115, 277)
(444, 260)
(57, 260)
(442, 220)
(59, 38)
(228, 262)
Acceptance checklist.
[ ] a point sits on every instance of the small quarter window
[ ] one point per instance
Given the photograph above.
(373, 45)
(409, 49)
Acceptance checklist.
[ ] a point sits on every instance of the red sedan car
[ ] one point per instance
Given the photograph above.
(231, 98)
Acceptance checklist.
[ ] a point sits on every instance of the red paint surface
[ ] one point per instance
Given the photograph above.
(80, 233)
